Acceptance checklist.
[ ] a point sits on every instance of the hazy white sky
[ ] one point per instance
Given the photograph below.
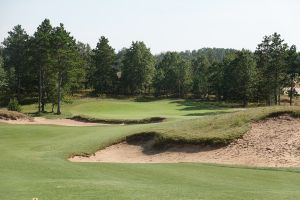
(162, 24)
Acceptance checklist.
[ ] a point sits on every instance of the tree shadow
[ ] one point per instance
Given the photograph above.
(37, 114)
(189, 105)
(208, 113)
(147, 99)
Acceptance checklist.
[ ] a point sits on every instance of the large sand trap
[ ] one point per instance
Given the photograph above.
(270, 143)
(44, 121)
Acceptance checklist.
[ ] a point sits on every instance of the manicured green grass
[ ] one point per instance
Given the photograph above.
(33, 158)
(131, 109)
(33, 164)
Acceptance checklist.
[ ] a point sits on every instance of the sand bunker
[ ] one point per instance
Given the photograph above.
(44, 121)
(270, 143)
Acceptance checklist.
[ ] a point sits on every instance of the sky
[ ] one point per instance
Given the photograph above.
(164, 25)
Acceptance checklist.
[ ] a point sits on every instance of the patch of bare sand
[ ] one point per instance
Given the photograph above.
(44, 121)
(270, 143)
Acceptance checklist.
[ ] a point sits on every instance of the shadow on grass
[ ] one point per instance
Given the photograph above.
(190, 105)
(39, 114)
(147, 99)
(48, 115)
(208, 113)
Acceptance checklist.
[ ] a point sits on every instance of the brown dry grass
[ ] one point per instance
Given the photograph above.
(13, 115)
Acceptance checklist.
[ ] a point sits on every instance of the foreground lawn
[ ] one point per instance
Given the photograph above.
(33, 164)
(132, 109)
(33, 158)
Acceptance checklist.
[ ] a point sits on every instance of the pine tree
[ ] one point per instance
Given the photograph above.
(215, 80)
(104, 73)
(200, 85)
(177, 74)
(86, 53)
(15, 63)
(41, 51)
(240, 77)
(3, 79)
(293, 62)
(65, 59)
(138, 68)
(272, 68)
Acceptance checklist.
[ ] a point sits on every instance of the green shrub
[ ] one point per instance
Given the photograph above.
(14, 105)
(68, 99)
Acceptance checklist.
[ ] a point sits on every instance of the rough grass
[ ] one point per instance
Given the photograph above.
(83, 118)
(12, 115)
(218, 129)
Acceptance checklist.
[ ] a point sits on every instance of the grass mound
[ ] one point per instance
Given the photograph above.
(215, 130)
(12, 115)
(83, 118)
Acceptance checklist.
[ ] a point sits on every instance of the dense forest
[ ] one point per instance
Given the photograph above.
(50, 65)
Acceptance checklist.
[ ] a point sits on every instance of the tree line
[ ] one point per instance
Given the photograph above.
(51, 64)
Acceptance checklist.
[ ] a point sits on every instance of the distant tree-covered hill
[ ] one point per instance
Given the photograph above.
(212, 54)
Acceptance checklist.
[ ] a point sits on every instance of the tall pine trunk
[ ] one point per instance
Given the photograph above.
(53, 104)
(269, 101)
(40, 90)
(19, 87)
(59, 93)
(245, 102)
(277, 88)
(291, 91)
(275, 96)
(43, 102)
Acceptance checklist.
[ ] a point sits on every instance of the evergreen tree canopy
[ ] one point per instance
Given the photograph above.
(104, 75)
(66, 60)
(176, 74)
(240, 77)
(271, 57)
(138, 68)
(15, 62)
